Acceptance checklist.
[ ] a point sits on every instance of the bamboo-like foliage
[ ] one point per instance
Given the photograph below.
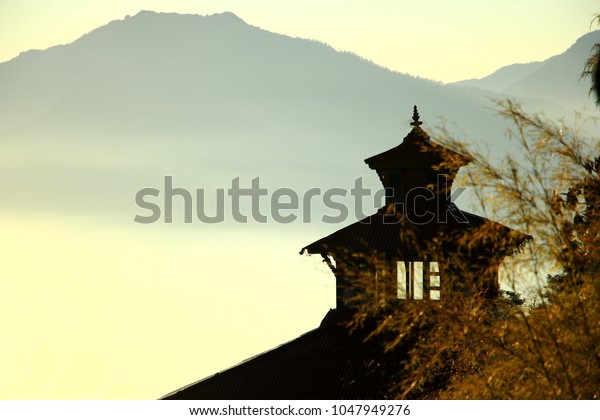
(592, 68)
(471, 345)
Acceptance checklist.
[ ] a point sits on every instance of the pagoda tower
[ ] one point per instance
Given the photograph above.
(426, 247)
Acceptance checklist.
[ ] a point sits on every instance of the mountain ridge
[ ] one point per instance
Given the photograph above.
(210, 97)
(544, 79)
(502, 78)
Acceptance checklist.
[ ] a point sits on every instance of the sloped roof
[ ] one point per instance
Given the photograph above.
(325, 363)
(381, 232)
(416, 151)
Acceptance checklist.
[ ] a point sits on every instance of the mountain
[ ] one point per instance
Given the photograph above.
(504, 77)
(556, 79)
(205, 99)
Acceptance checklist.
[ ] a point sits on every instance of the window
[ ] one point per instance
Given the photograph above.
(434, 281)
(416, 283)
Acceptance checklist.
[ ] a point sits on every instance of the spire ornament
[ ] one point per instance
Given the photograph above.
(415, 122)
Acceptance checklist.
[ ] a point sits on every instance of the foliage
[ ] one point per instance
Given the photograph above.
(469, 345)
(592, 69)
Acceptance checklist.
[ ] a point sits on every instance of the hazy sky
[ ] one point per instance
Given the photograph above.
(436, 39)
(96, 310)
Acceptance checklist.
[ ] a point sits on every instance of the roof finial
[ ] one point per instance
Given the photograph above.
(415, 117)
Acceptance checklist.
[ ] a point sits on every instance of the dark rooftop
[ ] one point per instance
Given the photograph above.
(381, 232)
(416, 151)
(325, 363)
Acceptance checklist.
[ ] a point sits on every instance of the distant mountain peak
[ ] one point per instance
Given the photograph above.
(145, 13)
(504, 77)
(227, 15)
(223, 16)
(556, 79)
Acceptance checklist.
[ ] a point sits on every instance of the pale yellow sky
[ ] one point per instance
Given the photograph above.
(436, 39)
(94, 311)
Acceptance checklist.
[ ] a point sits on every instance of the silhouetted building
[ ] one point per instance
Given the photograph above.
(426, 248)
(421, 237)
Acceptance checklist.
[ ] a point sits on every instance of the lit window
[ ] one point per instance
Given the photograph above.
(410, 278)
(434, 281)
(402, 280)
